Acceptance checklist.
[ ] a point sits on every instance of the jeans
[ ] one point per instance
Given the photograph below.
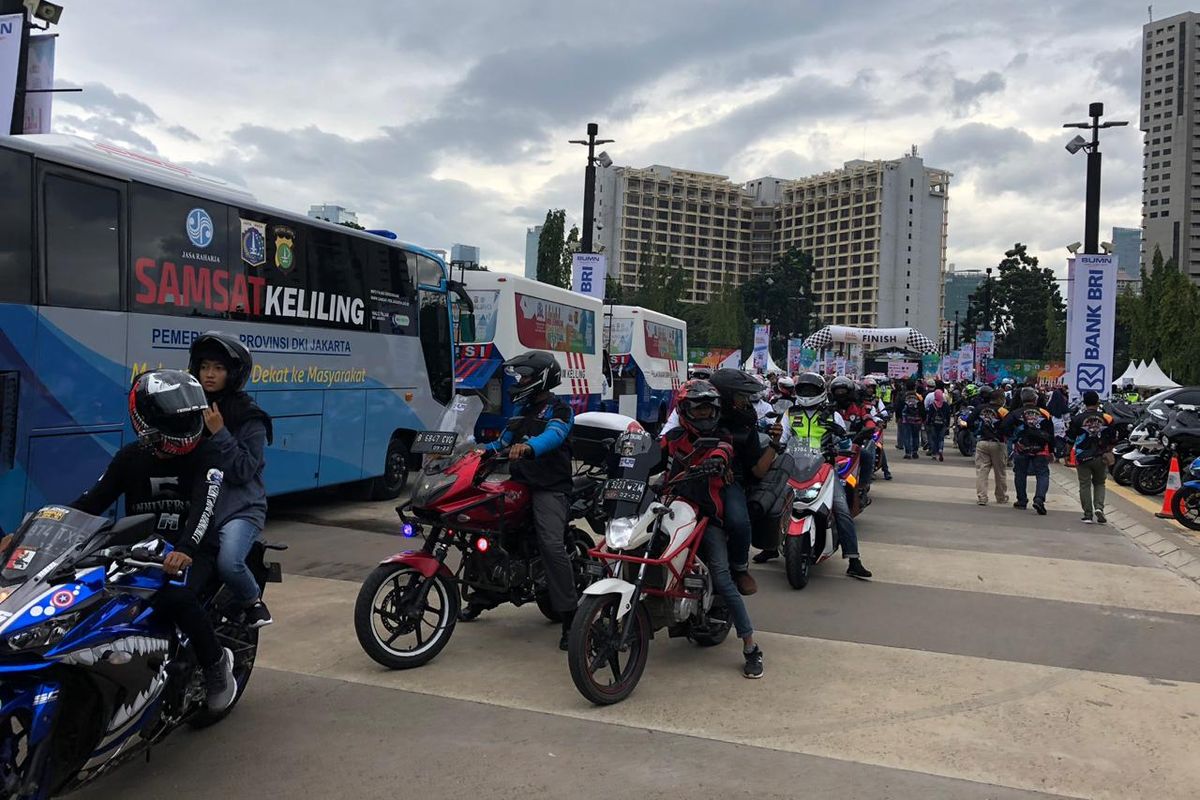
(867, 470)
(716, 555)
(181, 605)
(1092, 475)
(550, 512)
(847, 534)
(237, 537)
(937, 437)
(737, 526)
(910, 437)
(1039, 467)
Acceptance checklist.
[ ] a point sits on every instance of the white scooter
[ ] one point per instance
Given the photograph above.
(810, 536)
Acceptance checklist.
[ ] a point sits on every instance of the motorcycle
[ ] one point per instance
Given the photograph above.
(964, 435)
(91, 675)
(1185, 505)
(465, 501)
(811, 535)
(649, 576)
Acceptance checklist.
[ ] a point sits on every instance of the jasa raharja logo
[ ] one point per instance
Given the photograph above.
(199, 227)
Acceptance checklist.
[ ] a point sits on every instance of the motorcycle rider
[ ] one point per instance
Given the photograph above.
(987, 420)
(843, 394)
(699, 405)
(878, 409)
(536, 439)
(814, 421)
(1031, 432)
(172, 472)
(1092, 434)
(241, 431)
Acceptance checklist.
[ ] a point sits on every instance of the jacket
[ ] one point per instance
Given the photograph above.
(1092, 434)
(1031, 431)
(988, 422)
(679, 449)
(543, 425)
(242, 444)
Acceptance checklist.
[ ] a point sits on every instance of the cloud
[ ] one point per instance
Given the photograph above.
(966, 94)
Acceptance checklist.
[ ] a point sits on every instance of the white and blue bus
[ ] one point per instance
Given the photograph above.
(648, 358)
(112, 262)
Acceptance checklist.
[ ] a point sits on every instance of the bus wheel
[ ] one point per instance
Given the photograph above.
(395, 472)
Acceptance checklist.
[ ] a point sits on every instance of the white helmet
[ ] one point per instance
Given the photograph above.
(810, 390)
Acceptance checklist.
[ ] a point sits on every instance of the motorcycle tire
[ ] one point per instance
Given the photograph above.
(966, 445)
(1185, 506)
(719, 625)
(1150, 480)
(1122, 472)
(243, 641)
(579, 543)
(797, 561)
(376, 602)
(595, 625)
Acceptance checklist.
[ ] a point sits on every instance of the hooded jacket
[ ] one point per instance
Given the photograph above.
(241, 445)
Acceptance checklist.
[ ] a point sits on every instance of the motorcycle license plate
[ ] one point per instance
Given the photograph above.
(624, 489)
(438, 443)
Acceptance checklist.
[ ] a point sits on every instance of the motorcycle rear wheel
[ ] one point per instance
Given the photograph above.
(1185, 505)
(591, 649)
(796, 561)
(719, 623)
(578, 545)
(1150, 480)
(966, 444)
(378, 622)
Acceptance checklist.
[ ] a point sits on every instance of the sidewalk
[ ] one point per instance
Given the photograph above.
(1178, 547)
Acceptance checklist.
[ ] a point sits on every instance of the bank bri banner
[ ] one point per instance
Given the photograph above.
(1091, 317)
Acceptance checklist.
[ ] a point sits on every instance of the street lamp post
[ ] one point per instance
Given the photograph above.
(589, 184)
(956, 329)
(1091, 217)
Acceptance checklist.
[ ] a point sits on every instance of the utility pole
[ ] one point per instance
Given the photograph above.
(589, 184)
(1091, 217)
(956, 329)
(17, 123)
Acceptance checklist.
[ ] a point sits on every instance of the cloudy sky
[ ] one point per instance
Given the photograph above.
(448, 121)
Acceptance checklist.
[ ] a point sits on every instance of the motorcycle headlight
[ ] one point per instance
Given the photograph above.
(431, 488)
(44, 634)
(810, 494)
(620, 532)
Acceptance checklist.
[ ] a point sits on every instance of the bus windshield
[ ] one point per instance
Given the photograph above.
(480, 328)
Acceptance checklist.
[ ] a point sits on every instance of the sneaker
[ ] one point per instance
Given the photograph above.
(907, 457)
(887, 476)
(941, 457)
(1040, 508)
(1086, 520)
(1020, 505)
(219, 685)
(857, 570)
(916, 456)
(754, 663)
(765, 556)
(981, 502)
(258, 616)
(1100, 518)
(746, 585)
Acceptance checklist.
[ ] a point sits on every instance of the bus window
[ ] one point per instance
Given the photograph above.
(82, 243)
(429, 272)
(181, 256)
(16, 227)
(335, 271)
(483, 319)
(435, 332)
(390, 292)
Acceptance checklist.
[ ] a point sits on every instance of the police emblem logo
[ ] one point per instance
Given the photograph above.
(285, 243)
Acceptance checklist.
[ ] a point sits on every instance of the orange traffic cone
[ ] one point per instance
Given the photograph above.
(1173, 483)
(1071, 462)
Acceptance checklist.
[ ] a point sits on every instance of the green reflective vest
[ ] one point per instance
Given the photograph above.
(810, 429)
(885, 394)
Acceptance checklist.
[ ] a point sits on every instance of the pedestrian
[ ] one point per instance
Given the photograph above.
(938, 415)
(987, 420)
(912, 420)
(1031, 432)
(1092, 433)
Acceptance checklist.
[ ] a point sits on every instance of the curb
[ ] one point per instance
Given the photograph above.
(1176, 550)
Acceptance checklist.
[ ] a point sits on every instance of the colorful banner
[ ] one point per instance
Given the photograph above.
(901, 369)
(664, 341)
(39, 74)
(1092, 301)
(795, 355)
(762, 336)
(985, 344)
(588, 273)
(930, 365)
(715, 357)
(10, 59)
(949, 367)
(1021, 369)
(545, 325)
(966, 361)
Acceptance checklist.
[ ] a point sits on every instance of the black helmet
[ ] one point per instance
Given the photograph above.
(229, 351)
(842, 390)
(696, 394)
(166, 407)
(733, 383)
(1029, 395)
(702, 371)
(532, 373)
(810, 390)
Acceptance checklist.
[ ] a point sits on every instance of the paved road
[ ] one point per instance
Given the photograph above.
(997, 654)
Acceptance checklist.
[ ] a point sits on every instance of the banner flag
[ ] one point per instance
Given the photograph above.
(1092, 304)
(11, 27)
(39, 74)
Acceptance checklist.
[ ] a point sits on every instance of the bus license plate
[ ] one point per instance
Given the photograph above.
(438, 443)
(624, 489)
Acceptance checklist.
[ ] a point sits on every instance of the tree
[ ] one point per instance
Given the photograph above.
(550, 250)
(662, 285)
(353, 225)
(783, 295)
(570, 248)
(1027, 308)
(722, 322)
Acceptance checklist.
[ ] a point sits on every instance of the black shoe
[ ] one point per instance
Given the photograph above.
(765, 556)
(220, 687)
(1101, 518)
(754, 663)
(1020, 505)
(916, 456)
(257, 615)
(564, 640)
(1040, 508)
(907, 457)
(887, 476)
(857, 570)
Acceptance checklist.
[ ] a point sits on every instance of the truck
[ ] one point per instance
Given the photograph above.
(647, 356)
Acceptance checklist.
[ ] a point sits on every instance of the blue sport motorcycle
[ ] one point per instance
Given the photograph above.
(90, 675)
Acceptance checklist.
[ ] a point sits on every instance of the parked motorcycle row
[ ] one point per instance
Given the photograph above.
(1158, 433)
(643, 576)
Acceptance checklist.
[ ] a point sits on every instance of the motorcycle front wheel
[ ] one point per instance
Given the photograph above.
(966, 444)
(1150, 480)
(603, 672)
(1185, 505)
(402, 618)
(1122, 472)
(796, 561)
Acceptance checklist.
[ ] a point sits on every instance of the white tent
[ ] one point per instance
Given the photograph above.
(1152, 377)
(772, 367)
(1128, 375)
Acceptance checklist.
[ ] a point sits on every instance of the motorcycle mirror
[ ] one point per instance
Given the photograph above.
(1168, 402)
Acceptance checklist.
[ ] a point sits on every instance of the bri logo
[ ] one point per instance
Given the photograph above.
(199, 227)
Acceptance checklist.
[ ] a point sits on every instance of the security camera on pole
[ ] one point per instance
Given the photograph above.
(1091, 279)
(588, 268)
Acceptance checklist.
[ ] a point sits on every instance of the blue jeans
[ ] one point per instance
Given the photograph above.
(847, 534)
(937, 437)
(716, 555)
(737, 526)
(1039, 467)
(910, 437)
(237, 537)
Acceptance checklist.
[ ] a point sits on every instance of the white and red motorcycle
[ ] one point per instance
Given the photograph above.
(810, 536)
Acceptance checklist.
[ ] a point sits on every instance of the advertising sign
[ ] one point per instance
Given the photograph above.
(839, 365)
(902, 369)
(930, 363)
(985, 345)
(39, 74)
(715, 357)
(10, 58)
(949, 368)
(546, 325)
(795, 350)
(762, 334)
(588, 274)
(870, 338)
(664, 341)
(1092, 301)
(966, 361)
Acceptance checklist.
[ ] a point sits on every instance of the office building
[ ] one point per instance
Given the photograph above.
(1170, 152)
(533, 237)
(958, 286)
(876, 231)
(464, 254)
(332, 213)
(1127, 246)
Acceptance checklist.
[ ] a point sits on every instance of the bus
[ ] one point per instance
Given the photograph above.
(648, 359)
(112, 262)
(514, 314)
